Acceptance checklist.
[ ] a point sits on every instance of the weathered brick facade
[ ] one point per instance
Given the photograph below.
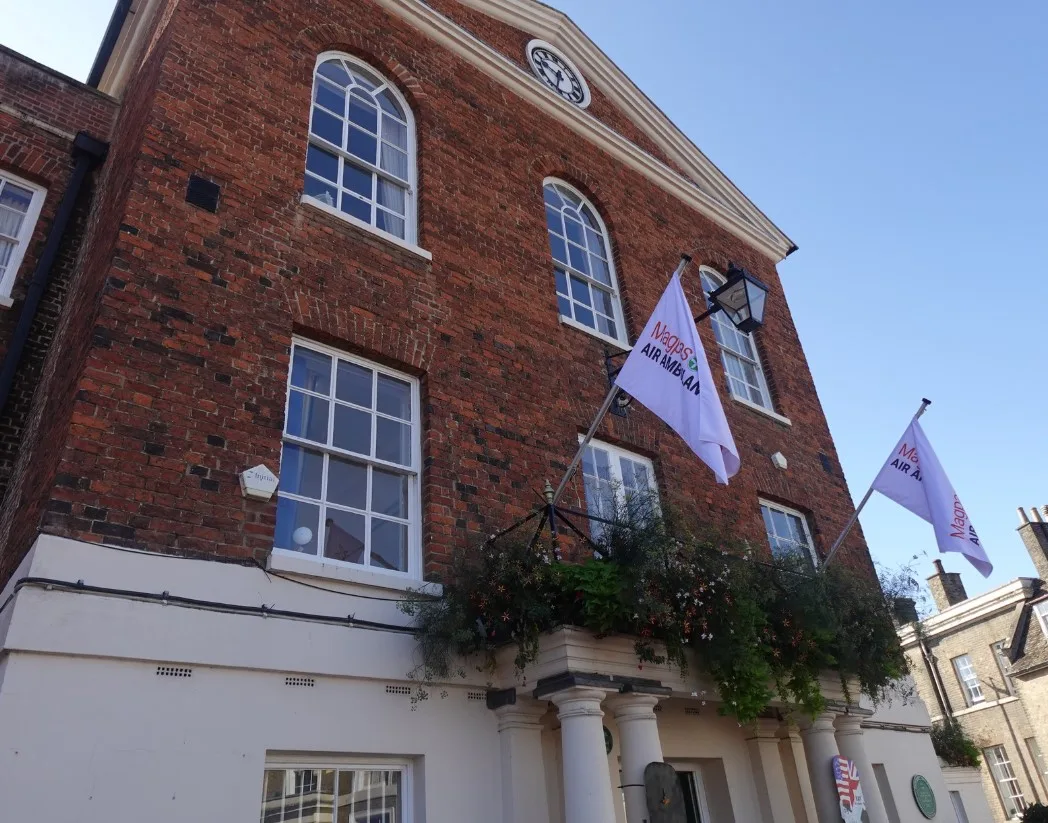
(169, 372)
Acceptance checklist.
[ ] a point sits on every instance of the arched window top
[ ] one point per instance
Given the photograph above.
(738, 350)
(587, 289)
(361, 157)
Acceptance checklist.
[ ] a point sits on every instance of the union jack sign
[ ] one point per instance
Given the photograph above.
(846, 776)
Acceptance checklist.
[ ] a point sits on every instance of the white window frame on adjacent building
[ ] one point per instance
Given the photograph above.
(18, 240)
(1008, 787)
(340, 195)
(318, 783)
(578, 291)
(611, 475)
(787, 542)
(968, 679)
(742, 363)
(1041, 610)
(385, 426)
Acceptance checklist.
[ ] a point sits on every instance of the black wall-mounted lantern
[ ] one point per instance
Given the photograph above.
(741, 298)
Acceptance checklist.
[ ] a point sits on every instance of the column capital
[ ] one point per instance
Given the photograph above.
(848, 724)
(633, 706)
(764, 728)
(578, 701)
(820, 723)
(524, 714)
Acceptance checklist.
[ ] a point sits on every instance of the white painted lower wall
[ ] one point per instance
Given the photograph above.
(89, 730)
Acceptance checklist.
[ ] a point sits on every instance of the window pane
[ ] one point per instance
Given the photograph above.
(347, 483)
(331, 98)
(393, 442)
(553, 221)
(389, 545)
(564, 306)
(392, 197)
(354, 384)
(297, 525)
(362, 145)
(585, 316)
(273, 796)
(327, 126)
(10, 222)
(606, 326)
(352, 430)
(390, 105)
(579, 259)
(325, 797)
(574, 230)
(595, 243)
(549, 194)
(599, 270)
(394, 161)
(390, 223)
(301, 471)
(323, 192)
(562, 282)
(16, 197)
(580, 291)
(344, 536)
(389, 493)
(558, 249)
(363, 112)
(322, 163)
(311, 370)
(394, 397)
(358, 180)
(333, 70)
(395, 132)
(307, 417)
(355, 206)
(603, 302)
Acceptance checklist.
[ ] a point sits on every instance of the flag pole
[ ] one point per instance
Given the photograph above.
(601, 412)
(925, 403)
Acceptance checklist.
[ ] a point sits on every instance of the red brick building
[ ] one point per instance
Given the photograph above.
(381, 247)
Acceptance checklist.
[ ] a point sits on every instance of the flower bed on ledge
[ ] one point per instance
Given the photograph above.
(761, 630)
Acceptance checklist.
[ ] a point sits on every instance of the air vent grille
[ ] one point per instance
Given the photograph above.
(308, 682)
(692, 711)
(174, 671)
(475, 695)
(202, 193)
(398, 690)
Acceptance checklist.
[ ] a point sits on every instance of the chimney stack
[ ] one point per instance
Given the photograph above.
(1034, 533)
(947, 588)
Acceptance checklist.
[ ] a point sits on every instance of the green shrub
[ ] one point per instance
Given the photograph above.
(953, 745)
(1035, 814)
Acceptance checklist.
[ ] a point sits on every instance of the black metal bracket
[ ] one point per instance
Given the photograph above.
(622, 399)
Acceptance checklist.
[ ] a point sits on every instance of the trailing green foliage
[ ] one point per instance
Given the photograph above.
(953, 745)
(759, 629)
(1036, 813)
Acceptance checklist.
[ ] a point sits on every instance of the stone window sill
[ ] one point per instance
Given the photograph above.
(292, 563)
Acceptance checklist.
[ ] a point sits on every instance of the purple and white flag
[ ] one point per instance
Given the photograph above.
(913, 477)
(668, 372)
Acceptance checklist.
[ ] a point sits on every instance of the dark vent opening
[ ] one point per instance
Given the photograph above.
(173, 671)
(827, 464)
(398, 689)
(308, 682)
(476, 695)
(202, 193)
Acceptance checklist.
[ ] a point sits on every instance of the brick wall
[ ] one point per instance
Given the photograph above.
(184, 374)
(40, 112)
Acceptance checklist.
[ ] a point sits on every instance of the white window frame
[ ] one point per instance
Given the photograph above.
(719, 319)
(404, 766)
(695, 770)
(968, 679)
(1004, 777)
(615, 453)
(812, 553)
(410, 238)
(1034, 748)
(622, 340)
(25, 234)
(413, 471)
(1041, 610)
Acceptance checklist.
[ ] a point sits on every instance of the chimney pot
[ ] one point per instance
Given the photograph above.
(1044, 511)
(1035, 515)
(1023, 519)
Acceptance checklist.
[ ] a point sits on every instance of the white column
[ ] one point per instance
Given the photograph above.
(796, 766)
(523, 772)
(639, 745)
(820, 746)
(587, 781)
(773, 792)
(850, 742)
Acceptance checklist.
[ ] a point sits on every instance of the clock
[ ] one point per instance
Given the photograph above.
(558, 72)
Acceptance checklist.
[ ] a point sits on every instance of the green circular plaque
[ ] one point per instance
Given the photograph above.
(923, 796)
(608, 742)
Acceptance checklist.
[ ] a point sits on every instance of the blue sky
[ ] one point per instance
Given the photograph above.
(901, 145)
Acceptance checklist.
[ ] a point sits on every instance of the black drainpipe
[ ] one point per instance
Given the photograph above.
(88, 151)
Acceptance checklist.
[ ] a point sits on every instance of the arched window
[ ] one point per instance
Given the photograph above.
(361, 156)
(738, 351)
(587, 292)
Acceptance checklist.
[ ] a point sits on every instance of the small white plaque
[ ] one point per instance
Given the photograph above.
(258, 483)
(778, 460)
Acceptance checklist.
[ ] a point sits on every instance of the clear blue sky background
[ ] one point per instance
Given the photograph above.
(902, 146)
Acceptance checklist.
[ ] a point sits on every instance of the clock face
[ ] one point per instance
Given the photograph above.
(557, 72)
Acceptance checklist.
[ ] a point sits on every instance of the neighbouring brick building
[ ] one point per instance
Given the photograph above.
(381, 246)
(983, 660)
